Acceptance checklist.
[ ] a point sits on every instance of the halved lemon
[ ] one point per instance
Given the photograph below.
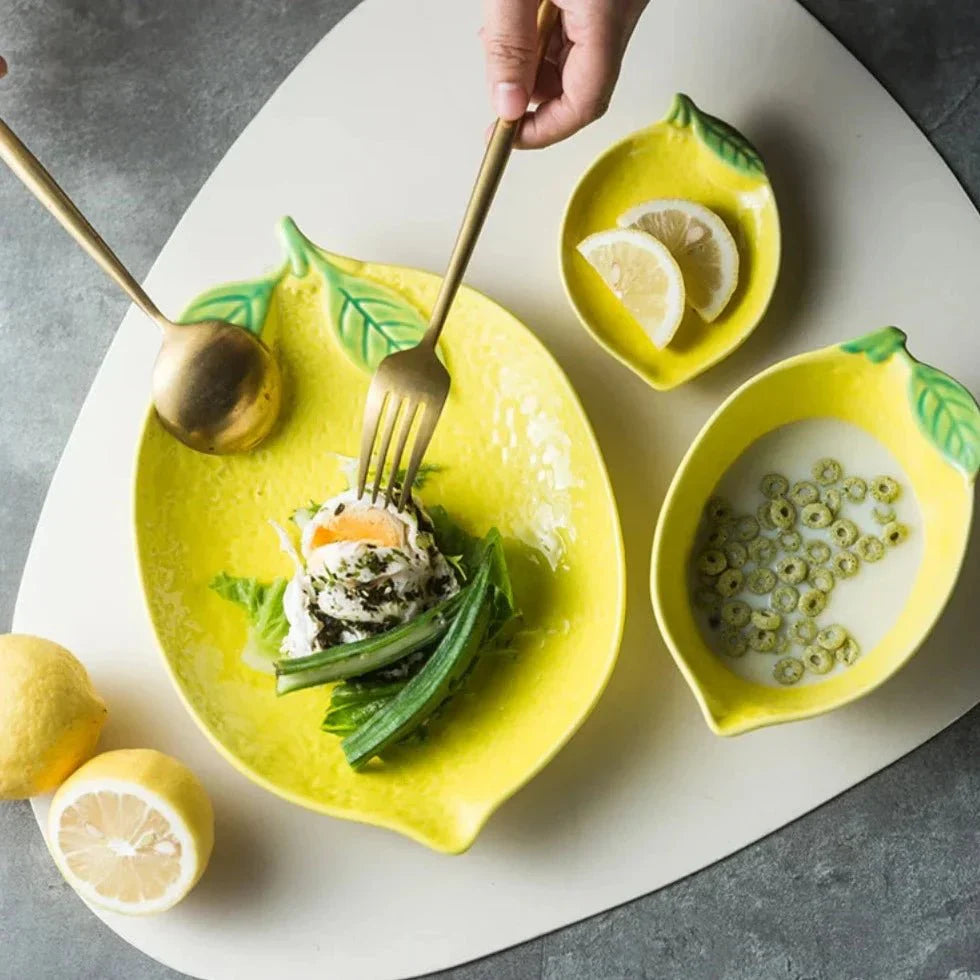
(643, 275)
(131, 831)
(700, 242)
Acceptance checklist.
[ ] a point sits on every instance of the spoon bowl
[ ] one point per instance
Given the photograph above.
(216, 387)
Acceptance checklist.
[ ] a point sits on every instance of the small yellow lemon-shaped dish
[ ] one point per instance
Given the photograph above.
(692, 156)
(513, 450)
(931, 426)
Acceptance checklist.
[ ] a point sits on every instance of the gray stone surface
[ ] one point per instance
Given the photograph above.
(136, 101)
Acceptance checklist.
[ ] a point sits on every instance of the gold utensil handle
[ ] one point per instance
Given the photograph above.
(487, 180)
(43, 186)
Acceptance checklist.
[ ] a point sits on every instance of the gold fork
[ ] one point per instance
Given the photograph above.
(412, 385)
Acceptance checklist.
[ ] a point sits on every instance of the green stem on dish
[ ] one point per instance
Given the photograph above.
(947, 414)
(364, 656)
(724, 140)
(297, 247)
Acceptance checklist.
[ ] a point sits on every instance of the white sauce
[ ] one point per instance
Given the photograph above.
(868, 604)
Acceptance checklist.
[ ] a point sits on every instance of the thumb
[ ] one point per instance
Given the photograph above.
(510, 36)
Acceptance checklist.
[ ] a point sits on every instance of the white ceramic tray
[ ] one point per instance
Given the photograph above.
(876, 230)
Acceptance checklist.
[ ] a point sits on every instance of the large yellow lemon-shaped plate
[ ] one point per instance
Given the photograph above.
(690, 155)
(513, 450)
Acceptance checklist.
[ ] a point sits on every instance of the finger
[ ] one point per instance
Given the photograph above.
(548, 85)
(510, 38)
(3, 67)
(588, 79)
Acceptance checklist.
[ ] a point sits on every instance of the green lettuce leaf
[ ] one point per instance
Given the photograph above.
(267, 624)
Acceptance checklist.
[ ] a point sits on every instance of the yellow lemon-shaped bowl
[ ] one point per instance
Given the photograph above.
(931, 426)
(513, 450)
(694, 156)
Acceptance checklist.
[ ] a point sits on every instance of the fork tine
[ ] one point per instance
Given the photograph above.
(396, 460)
(374, 406)
(428, 418)
(392, 410)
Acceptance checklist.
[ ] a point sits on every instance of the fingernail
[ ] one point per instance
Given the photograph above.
(509, 100)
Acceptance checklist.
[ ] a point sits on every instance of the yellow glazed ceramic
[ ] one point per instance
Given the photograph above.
(514, 449)
(688, 155)
(930, 423)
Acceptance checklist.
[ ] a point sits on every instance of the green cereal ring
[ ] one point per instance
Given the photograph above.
(818, 551)
(729, 583)
(848, 652)
(804, 493)
(791, 542)
(766, 619)
(816, 515)
(782, 513)
(746, 528)
(718, 510)
(883, 515)
(788, 670)
(761, 581)
(708, 580)
(736, 554)
(884, 489)
(735, 612)
(762, 550)
(846, 564)
(803, 632)
(844, 532)
(764, 517)
(718, 536)
(827, 471)
(762, 641)
(869, 548)
(813, 603)
(832, 637)
(784, 598)
(818, 660)
(706, 598)
(822, 578)
(733, 644)
(894, 534)
(792, 570)
(832, 500)
(856, 489)
(774, 485)
(712, 562)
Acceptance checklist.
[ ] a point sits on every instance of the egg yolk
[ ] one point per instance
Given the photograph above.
(375, 526)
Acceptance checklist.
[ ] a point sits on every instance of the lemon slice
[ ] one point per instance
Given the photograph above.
(131, 831)
(643, 275)
(700, 242)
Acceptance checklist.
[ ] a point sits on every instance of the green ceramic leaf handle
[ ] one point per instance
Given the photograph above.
(245, 304)
(946, 412)
(726, 142)
(371, 321)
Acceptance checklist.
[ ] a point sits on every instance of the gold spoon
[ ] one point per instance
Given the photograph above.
(216, 386)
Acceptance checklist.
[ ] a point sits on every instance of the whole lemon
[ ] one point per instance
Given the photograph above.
(50, 716)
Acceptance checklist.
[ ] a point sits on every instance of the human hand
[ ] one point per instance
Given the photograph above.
(580, 69)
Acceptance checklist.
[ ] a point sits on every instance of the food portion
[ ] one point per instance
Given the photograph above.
(395, 605)
(666, 253)
(700, 242)
(643, 276)
(785, 573)
(131, 831)
(50, 715)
